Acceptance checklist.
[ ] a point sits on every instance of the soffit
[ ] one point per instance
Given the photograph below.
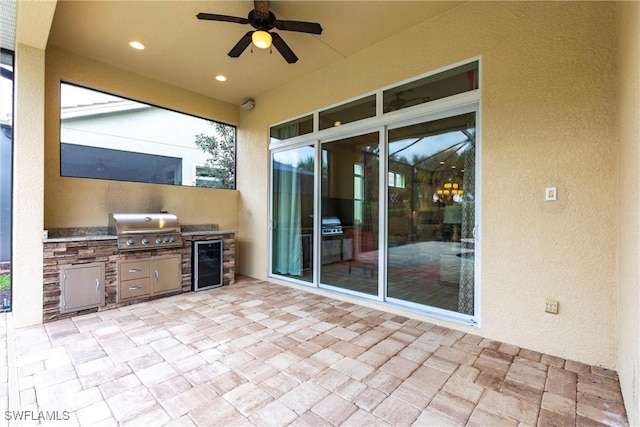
(188, 53)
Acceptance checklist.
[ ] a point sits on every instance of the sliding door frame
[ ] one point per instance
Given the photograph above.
(462, 103)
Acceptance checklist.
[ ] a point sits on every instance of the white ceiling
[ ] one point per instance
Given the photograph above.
(189, 53)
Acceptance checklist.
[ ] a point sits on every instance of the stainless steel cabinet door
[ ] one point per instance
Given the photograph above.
(82, 287)
(166, 274)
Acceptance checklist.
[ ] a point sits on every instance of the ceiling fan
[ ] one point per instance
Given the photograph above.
(264, 21)
(399, 102)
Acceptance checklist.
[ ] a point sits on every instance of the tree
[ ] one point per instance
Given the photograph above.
(221, 166)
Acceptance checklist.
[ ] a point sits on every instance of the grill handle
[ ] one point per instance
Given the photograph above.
(150, 231)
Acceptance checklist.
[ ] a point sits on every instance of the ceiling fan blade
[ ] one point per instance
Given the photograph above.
(237, 50)
(283, 48)
(300, 26)
(223, 18)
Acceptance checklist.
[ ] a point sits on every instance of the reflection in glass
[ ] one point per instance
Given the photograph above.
(349, 112)
(297, 127)
(431, 216)
(349, 205)
(292, 213)
(447, 83)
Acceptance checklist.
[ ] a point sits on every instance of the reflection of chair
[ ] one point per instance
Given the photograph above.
(364, 253)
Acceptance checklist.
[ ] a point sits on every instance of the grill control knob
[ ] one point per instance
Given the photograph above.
(158, 240)
(172, 239)
(166, 239)
(145, 241)
(130, 242)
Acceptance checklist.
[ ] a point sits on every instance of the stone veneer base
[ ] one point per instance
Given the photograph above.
(85, 251)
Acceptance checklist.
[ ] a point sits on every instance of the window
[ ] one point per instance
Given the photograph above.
(358, 193)
(419, 91)
(103, 136)
(396, 180)
(346, 113)
(297, 127)
(457, 80)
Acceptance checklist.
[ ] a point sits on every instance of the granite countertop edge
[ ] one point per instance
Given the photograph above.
(102, 233)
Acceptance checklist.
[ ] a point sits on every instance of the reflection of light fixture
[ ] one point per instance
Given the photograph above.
(261, 39)
(449, 191)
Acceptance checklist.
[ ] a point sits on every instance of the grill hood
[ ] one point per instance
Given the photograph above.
(137, 231)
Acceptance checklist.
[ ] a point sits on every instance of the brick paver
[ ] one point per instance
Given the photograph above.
(257, 353)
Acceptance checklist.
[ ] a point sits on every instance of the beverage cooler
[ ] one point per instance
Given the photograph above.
(207, 264)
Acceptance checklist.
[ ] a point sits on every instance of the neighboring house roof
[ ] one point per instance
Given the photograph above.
(99, 108)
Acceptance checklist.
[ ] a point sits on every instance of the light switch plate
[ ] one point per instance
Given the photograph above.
(551, 194)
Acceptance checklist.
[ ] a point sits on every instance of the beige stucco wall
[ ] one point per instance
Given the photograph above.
(75, 202)
(628, 363)
(547, 118)
(28, 183)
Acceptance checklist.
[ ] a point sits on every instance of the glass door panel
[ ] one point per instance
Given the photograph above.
(431, 213)
(292, 213)
(349, 206)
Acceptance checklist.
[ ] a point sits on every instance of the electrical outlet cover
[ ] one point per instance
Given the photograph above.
(551, 306)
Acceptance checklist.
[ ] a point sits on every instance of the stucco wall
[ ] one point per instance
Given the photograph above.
(28, 159)
(629, 208)
(76, 202)
(547, 118)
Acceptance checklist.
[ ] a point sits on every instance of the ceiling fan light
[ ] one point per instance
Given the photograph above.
(261, 39)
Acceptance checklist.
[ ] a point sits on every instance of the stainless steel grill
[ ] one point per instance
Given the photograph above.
(140, 231)
(331, 226)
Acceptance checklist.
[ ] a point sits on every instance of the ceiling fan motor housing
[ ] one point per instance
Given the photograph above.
(262, 21)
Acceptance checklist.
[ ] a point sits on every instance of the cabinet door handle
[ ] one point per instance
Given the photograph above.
(156, 275)
(135, 288)
(135, 270)
(97, 285)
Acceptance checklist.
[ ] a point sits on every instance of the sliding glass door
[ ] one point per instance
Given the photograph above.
(431, 213)
(378, 197)
(292, 198)
(350, 214)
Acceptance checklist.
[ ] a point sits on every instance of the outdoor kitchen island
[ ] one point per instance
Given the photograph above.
(91, 254)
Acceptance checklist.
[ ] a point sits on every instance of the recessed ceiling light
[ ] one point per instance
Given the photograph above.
(221, 78)
(136, 45)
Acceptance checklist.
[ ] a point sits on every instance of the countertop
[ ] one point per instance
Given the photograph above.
(102, 233)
